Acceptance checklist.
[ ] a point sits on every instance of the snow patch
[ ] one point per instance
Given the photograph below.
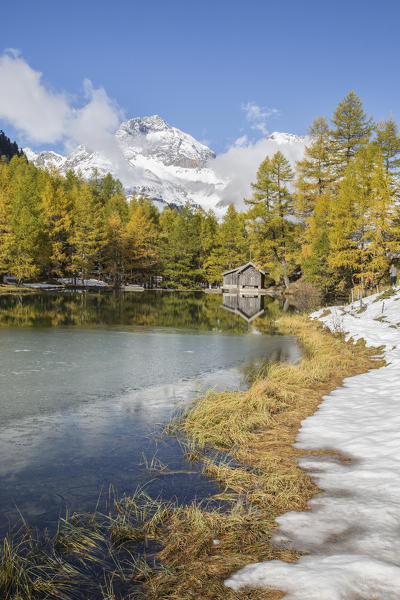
(352, 530)
(82, 282)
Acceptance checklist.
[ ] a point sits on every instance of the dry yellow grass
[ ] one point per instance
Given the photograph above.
(93, 555)
(257, 429)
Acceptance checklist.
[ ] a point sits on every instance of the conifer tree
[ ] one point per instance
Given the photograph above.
(8, 149)
(362, 230)
(388, 140)
(313, 195)
(29, 250)
(273, 232)
(57, 208)
(230, 247)
(5, 217)
(140, 250)
(208, 240)
(113, 263)
(181, 247)
(384, 233)
(87, 235)
(314, 171)
(116, 212)
(352, 129)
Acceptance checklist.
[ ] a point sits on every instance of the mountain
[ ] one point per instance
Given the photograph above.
(152, 158)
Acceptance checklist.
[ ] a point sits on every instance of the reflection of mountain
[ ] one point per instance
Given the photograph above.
(247, 307)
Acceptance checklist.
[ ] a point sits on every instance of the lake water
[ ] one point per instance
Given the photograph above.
(85, 379)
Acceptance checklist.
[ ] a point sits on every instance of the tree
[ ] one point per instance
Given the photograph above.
(362, 231)
(8, 148)
(29, 248)
(273, 231)
(87, 235)
(352, 129)
(5, 217)
(388, 140)
(56, 206)
(208, 240)
(230, 247)
(314, 171)
(313, 196)
(140, 255)
(181, 246)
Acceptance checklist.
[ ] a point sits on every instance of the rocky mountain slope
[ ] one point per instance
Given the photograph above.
(150, 157)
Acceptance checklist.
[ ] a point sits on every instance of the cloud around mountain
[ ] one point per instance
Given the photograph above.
(239, 164)
(147, 154)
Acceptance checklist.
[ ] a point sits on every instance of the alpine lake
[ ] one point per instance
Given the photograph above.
(86, 379)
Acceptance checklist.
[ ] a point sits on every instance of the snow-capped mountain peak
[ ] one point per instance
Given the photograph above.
(152, 158)
(286, 138)
(44, 159)
(154, 138)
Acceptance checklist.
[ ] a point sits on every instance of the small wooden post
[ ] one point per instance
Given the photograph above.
(352, 295)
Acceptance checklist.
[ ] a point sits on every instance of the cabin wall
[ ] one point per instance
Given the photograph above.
(250, 278)
(231, 280)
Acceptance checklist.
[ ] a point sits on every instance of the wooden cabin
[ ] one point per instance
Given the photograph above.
(247, 278)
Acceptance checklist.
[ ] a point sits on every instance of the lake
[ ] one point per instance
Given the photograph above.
(85, 378)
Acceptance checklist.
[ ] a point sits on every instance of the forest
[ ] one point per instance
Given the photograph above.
(333, 219)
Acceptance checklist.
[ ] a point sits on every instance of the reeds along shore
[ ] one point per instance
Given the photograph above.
(202, 544)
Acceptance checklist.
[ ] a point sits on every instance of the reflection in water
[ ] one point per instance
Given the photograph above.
(247, 306)
(190, 310)
(85, 378)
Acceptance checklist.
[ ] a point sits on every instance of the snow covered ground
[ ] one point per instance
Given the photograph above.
(96, 283)
(352, 533)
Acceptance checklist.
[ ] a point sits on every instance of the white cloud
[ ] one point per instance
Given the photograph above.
(241, 141)
(41, 115)
(240, 163)
(25, 102)
(257, 116)
(96, 121)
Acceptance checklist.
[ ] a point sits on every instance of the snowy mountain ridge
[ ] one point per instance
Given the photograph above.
(151, 157)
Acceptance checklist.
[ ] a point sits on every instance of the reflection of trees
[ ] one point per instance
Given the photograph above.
(189, 310)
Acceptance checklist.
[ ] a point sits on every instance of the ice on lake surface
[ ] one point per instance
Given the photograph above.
(84, 381)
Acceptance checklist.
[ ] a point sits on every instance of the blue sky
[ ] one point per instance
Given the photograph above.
(198, 64)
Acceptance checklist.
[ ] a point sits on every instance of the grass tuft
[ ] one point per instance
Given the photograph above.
(244, 440)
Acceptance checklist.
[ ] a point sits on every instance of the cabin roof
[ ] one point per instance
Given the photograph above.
(243, 267)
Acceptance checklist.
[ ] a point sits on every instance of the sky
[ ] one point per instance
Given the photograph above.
(222, 71)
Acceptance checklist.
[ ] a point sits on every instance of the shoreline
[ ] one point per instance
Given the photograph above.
(255, 430)
(244, 440)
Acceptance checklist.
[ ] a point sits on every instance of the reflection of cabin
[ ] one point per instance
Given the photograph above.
(247, 307)
(243, 279)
